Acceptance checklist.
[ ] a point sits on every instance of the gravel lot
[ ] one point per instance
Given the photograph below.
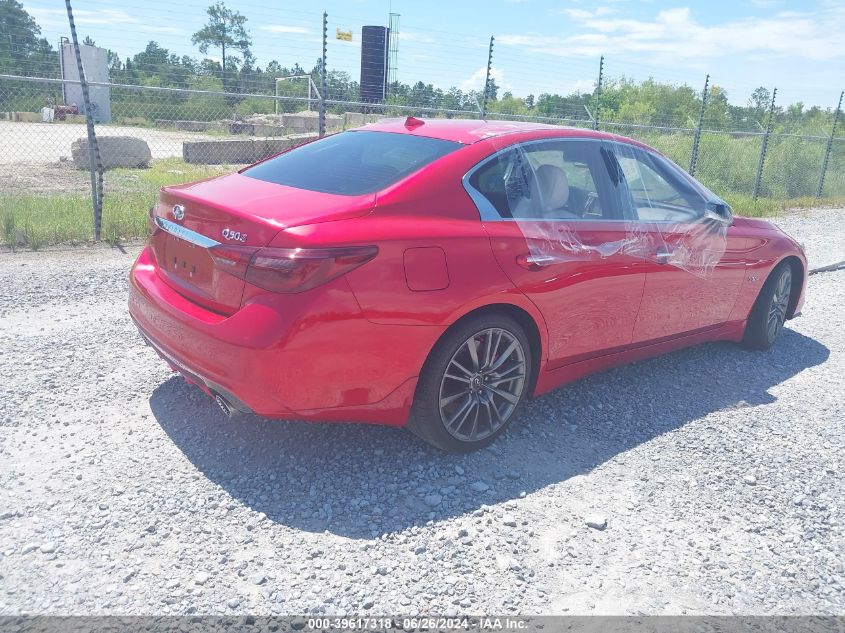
(123, 490)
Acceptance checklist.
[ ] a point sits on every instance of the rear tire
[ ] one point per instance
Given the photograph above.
(769, 312)
(473, 384)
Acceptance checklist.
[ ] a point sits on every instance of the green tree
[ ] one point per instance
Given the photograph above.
(22, 50)
(759, 101)
(224, 30)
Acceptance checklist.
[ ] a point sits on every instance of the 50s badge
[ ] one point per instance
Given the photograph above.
(235, 236)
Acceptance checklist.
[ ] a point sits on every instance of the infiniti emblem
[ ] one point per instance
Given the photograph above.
(178, 212)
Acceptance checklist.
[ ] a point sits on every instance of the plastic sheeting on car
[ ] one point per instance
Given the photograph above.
(558, 189)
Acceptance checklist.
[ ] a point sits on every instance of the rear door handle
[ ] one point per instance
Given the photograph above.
(663, 255)
(534, 262)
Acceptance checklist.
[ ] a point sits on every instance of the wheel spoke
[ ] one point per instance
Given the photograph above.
(503, 394)
(463, 379)
(472, 347)
(501, 381)
(487, 344)
(466, 371)
(477, 410)
(505, 355)
(502, 372)
(450, 399)
(495, 351)
(461, 413)
(490, 426)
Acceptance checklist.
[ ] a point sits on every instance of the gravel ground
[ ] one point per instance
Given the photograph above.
(822, 231)
(715, 473)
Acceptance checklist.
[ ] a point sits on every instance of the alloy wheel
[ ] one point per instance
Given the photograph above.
(482, 385)
(780, 304)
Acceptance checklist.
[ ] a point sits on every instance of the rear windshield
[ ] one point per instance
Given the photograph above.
(352, 163)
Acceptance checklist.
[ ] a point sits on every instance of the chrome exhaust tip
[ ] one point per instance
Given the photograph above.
(225, 407)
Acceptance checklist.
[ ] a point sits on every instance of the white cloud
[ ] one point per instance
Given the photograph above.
(57, 19)
(675, 35)
(584, 14)
(82, 17)
(285, 28)
(476, 80)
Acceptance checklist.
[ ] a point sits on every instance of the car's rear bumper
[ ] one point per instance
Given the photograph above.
(309, 355)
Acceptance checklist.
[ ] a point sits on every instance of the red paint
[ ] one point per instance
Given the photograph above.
(353, 347)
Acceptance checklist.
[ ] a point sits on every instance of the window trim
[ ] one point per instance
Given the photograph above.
(488, 212)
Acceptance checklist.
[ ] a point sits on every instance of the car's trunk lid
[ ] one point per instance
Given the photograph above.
(231, 211)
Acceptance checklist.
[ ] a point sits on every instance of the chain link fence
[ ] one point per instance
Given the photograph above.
(204, 124)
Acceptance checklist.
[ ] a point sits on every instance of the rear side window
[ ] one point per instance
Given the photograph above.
(562, 179)
(352, 163)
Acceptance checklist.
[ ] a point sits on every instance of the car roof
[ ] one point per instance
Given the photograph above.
(468, 131)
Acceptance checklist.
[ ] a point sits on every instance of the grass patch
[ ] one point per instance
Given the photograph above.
(767, 207)
(36, 220)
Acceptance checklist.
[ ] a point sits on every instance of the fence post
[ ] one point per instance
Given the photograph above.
(487, 80)
(93, 150)
(765, 145)
(597, 105)
(693, 159)
(323, 76)
(829, 147)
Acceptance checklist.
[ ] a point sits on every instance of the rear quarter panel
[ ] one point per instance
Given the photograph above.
(428, 210)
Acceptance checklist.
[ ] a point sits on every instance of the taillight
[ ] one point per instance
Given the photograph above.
(152, 227)
(290, 269)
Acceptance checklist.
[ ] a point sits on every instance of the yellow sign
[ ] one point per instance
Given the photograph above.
(346, 36)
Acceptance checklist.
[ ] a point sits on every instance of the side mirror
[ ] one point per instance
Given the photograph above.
(719, 212)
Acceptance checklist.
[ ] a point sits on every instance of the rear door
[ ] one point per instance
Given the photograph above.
(694, 265)
(556, 224)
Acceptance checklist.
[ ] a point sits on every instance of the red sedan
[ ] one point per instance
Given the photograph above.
(437, 273)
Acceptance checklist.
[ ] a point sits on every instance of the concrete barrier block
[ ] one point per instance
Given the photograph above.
(192, 126)
(264, 148)
(222, 152)
(115, 151)
(26, 117)
(261, 129)
(238, 151)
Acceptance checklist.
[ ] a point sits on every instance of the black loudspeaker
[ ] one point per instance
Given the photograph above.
(374, 41)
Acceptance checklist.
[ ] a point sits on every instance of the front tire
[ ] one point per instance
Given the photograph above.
(769, 312)
(473, 384)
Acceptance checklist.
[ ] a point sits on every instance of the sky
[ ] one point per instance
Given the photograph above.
(540, 45)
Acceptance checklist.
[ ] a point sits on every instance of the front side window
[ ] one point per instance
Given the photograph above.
(352, 163)
(658, 191)
(563, 179)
